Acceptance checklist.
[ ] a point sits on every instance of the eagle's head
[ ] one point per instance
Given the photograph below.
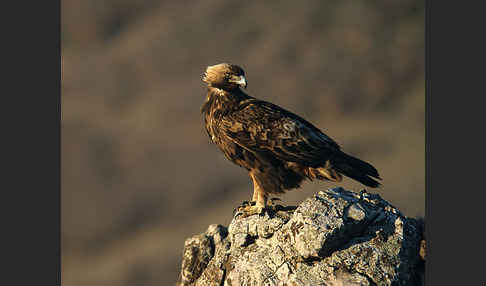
(225, 76)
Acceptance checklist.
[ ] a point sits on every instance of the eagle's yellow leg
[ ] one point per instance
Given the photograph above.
(259, 201)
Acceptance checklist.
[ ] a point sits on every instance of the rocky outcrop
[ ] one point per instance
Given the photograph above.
(335, 237)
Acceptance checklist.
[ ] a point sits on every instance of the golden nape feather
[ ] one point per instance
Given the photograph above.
(278, 148)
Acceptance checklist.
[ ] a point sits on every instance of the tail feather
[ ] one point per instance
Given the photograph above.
(356, 169)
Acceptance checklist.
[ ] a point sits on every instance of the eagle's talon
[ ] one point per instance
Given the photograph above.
(249, 210)
(245, 203)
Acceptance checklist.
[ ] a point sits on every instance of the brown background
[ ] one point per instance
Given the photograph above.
(138, 172)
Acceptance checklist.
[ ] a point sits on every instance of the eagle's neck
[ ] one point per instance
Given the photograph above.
(220, 102)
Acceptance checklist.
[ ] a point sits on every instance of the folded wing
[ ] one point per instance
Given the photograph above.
(263, 127)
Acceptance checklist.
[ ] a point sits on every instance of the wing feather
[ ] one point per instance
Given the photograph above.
(260, 126)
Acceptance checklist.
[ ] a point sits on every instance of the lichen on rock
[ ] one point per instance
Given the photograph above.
(335, 237)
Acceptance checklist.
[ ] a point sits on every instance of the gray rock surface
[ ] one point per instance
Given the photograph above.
(335, 237)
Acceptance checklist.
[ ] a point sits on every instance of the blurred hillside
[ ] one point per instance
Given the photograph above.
(138, 172)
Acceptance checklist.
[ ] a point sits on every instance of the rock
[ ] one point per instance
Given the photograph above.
(335, 237)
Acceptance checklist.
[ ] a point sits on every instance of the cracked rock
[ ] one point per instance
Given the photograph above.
(335, 237)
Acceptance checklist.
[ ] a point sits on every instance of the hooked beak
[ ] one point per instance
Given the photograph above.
(241, 82)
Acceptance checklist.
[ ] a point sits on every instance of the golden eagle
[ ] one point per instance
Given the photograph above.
(278, 148)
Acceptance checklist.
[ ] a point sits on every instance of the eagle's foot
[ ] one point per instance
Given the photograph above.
(247, 203)
(250, 209)
(246, 208)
